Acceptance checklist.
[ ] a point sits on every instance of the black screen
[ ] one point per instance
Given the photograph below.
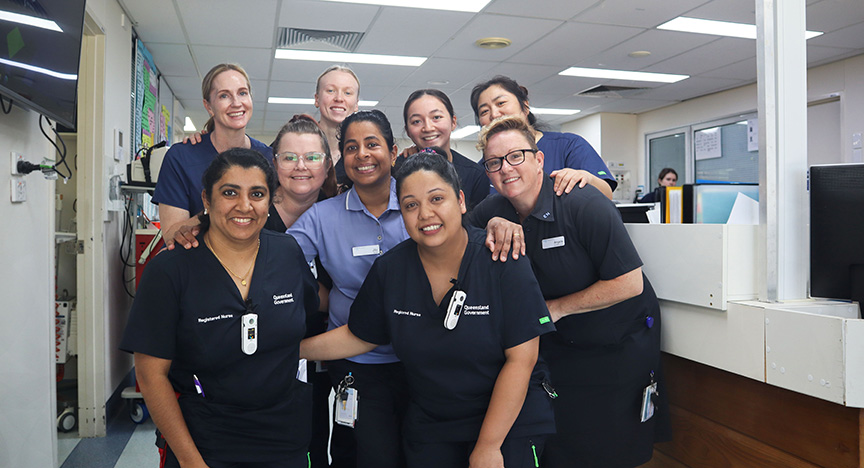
(39, 65)
(837, 231)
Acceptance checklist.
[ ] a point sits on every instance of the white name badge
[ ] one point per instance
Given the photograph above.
(553, 242)
(366, 250)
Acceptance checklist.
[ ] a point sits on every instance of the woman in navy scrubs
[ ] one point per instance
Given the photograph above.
(429, 120)
(606, 350)
(570, 159)
(474, 380)
(240, 403)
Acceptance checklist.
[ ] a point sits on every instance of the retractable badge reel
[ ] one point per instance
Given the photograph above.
(454, 309)
(345, 403)
(249, 331)
(648, 395)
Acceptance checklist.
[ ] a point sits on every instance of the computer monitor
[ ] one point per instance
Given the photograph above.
(837, 231)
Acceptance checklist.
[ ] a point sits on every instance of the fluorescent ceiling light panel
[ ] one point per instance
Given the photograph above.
(623, 75)
(550, 111)
(29, 20)
(189, 126)
(343, 57)
(718, 28)
(465, 131)
(472, 6)
(310, 101)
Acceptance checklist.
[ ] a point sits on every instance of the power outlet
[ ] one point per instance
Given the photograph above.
(15, 158)
(19, 190)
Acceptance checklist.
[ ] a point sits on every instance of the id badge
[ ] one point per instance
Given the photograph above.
(647, 401)
(346, 409)
(364, 250)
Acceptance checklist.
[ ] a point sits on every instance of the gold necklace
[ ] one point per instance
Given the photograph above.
(241, 278)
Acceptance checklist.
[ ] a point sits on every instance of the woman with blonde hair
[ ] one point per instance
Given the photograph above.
(227, 96)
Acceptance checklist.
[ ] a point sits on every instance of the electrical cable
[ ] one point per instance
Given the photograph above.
(128, 233)
(62, 152)
(3, 106)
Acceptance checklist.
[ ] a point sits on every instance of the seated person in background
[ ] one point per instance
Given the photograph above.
(605, 353)
(667, 178)
(475, 384)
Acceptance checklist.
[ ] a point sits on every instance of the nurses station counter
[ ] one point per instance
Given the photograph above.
(760, 384)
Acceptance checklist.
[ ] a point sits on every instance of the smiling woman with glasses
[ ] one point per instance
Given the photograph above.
(513, 158)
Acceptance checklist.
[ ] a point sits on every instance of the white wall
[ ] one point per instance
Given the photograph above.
(118, 59)
(27, 399)
(844, 77)
(589, 128)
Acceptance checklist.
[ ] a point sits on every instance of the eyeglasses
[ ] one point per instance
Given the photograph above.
(514, 158)
(288, 160)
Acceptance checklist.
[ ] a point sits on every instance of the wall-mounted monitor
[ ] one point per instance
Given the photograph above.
(40, 47)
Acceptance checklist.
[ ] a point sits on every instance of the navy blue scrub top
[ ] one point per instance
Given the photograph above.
(451, 373)
(187, 309)
(573, 241)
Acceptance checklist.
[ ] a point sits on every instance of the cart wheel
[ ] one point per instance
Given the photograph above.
(138, 412)
(67, 421)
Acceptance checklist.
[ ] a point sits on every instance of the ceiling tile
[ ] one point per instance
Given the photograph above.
(525, 74)
(834, 14)
(185, 88)
(743, 70)
(328, 16)
(173, 59)
(522, 31)
(256, 62)
(661, 44)
(550, 9)
(229, 23)
(690, 88)
(736, 11)
(572, 42)
(817, 55)
(851, 37)
(716, 54)
(396, 31)
(637, 13)
(155, 21)
(457, 73)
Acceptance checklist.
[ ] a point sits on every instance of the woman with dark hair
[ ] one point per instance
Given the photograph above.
(227, 94)
(564, 151)
(429, 120)
(348, 232)
(466, 328)
(667, 178)
(220, 326)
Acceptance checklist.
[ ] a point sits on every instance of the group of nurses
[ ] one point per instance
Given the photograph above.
(349, 232)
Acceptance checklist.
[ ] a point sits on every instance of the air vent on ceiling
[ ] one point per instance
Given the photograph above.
(611, 91)
(317, 39)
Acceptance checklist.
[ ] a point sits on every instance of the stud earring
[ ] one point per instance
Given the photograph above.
(205, 211)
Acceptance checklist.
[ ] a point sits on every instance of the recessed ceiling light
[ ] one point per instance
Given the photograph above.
(493, 42)
(345, 57)
(472, 6)
(551, 111)
(29, 20)
(623, 75)
(310, 101)
(718, 28)
(639, 53)
(465, 131)
(438, 82)
(189, 126)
